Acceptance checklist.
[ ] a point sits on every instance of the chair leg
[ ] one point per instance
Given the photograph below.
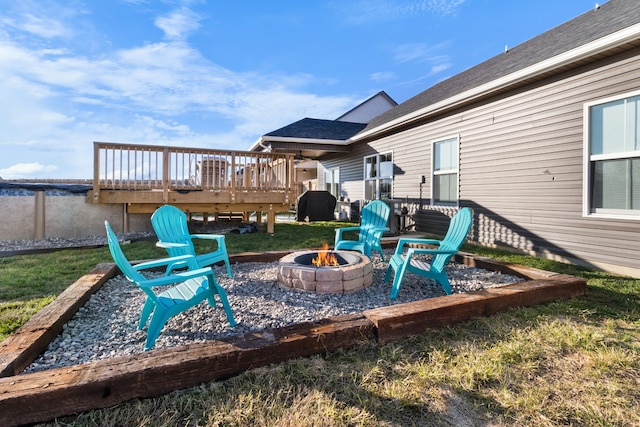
(229, 273)
(147, 309)
(225, 304)
(158, 321)
(397, 281)
(366, 251)
(443, 281)
(388, 274)
(395, 262)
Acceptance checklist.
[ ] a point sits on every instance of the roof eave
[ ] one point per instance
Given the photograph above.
(265, 139)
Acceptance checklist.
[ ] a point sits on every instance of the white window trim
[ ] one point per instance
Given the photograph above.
(434, 173)
(586, 162)
(333, 171)
(378, 178)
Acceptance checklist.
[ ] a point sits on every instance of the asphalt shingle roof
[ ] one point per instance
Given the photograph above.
(319, 129)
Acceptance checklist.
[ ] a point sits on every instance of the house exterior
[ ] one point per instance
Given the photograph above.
(541, 141)
(313, 138)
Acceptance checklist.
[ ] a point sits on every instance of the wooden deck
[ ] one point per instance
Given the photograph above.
(196, 180)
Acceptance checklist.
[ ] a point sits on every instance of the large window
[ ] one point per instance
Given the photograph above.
(444, 179)
(612, 165)
(378, 176)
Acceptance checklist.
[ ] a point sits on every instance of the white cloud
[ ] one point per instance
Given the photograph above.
(381, 77)
(26, 170)
(40, 18)
(439, 68)
(178, 24)
(43, 27)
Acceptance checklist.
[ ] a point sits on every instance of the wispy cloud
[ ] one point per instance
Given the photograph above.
(179, 24)
(435, 62)
(420, 52)
(43, 19)
(381, 77)
(366, 11)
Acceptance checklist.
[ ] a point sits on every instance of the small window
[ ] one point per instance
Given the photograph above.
(612, 164)
(378, 176)
(444, 182)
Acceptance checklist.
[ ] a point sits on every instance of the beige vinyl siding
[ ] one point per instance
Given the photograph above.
(523, 172)
(351, 171)
(521, 167)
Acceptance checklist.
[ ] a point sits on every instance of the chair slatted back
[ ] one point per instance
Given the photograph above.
(456, 234)
(122, 262)
(170, 225)
(374, 215)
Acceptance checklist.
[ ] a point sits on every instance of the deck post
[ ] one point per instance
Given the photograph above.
(271, 220)
(96, 173)
(40, 215)
(233, 177)
(125, 218)
(291, 179)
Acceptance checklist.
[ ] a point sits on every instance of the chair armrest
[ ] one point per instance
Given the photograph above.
(218, 237)
(164, 262)
(416, 251)
(348, 229)
(339, 232)
(166, 245)
(408, 240)
(178, 277)
(377, 229)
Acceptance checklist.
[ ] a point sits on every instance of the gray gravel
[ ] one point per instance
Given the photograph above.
(107, 325)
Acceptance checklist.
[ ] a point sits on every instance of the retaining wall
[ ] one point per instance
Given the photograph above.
(37, 211)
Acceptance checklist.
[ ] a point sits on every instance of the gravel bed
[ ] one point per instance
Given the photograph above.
(107, 325)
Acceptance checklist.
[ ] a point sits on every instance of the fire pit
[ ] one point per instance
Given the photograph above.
(339, 272)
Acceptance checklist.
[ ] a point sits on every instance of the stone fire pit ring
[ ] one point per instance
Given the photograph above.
(351, 277)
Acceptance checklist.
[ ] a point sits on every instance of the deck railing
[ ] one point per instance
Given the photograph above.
(136, 167)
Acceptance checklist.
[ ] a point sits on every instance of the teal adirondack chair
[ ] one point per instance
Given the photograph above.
(402, 263)
(191, 287)
(373, 222)
(171, 228)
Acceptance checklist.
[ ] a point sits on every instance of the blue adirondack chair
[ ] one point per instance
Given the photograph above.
(373, 222)
(405, 262)
(191, 287)
(170, 225)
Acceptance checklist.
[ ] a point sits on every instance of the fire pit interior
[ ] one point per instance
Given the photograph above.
(324, 271)
(341, 258)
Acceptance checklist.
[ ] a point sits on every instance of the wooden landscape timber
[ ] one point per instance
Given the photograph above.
(42, 396)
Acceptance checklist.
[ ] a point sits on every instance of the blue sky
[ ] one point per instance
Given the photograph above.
(219, 74)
